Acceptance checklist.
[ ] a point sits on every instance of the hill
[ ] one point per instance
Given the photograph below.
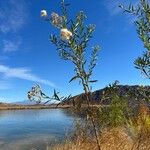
(133, 93)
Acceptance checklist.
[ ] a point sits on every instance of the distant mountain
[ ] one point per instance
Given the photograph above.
(25, 102)
(28, 102)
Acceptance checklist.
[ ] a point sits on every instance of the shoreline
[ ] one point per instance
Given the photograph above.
(53, 106)
(21, 107)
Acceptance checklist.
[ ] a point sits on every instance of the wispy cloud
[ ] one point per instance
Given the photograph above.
(23, 73)
(13, 15)
(11, 46)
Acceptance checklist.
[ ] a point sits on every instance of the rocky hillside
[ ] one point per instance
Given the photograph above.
(133, 94)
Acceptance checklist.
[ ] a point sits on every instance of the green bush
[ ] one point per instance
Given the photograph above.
(115, 114)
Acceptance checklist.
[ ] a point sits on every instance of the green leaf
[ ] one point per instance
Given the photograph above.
(56, 96)
(75, 77)
(92, 81)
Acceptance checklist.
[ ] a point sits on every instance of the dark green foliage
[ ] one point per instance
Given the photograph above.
(118, 108)
(117, 112)
(143, 63)
(142, 22)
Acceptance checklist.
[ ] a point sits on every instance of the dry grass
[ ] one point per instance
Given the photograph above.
(114, 139)
(135, 135)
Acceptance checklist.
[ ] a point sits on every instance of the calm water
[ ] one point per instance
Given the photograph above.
(33, 129)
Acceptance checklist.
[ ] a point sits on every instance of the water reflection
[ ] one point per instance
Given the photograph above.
(27, 129)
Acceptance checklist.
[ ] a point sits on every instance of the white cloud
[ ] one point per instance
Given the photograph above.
(11, 46)
(13, 15)
(23, 73)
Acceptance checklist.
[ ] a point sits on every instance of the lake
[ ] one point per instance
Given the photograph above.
(33, 129)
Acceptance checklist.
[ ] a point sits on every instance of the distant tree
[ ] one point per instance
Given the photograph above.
(142, 23)
(72, 45)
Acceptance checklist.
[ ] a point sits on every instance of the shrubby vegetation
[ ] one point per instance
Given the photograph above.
(117, 125)
(142, 23)
(117, 112)
(72, 45)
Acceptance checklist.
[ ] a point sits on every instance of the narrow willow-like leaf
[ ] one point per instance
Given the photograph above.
(75, 77)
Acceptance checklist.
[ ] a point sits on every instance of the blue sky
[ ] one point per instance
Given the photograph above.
(27, 57)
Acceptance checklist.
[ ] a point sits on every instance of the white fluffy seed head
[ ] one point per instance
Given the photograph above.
(43, 13)
(65, 34)
(56, 19)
